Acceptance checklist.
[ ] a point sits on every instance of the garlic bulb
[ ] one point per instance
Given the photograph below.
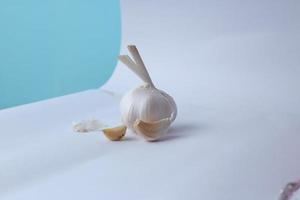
(146, 110)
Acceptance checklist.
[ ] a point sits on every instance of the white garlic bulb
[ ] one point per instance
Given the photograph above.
(146, 110)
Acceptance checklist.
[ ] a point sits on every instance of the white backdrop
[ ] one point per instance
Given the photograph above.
(232, 67)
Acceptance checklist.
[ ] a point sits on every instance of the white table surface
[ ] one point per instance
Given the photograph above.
(233, 69)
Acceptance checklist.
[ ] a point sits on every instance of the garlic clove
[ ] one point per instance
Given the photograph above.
(152, 130)
(115, 133)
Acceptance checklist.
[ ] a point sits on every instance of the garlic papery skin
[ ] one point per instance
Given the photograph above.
(146, 110)
(88, 126)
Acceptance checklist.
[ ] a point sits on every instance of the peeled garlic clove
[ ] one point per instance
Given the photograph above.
(115, 133)
(152, 130)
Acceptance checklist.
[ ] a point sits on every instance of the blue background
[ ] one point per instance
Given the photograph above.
(55, 47)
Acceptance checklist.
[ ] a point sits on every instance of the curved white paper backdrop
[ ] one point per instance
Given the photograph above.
(233, 68)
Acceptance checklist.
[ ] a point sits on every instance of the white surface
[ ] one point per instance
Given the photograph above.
(233, 68)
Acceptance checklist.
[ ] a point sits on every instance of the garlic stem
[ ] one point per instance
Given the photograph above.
(133, 66)
(137, 66)
(128, 62)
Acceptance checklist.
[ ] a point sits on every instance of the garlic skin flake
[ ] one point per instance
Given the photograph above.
(88, 126)
(146, 110)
